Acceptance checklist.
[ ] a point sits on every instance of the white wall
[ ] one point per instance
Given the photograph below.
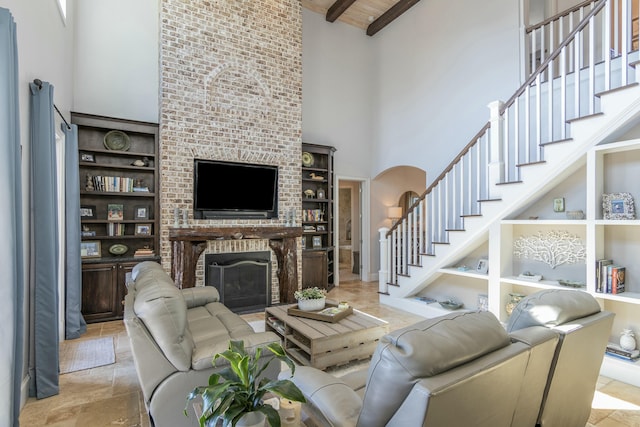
(117, 67)
(440, 64)
(337, 86)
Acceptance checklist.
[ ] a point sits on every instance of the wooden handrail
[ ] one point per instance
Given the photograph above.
(558, 16)
(599, 5)
(444, 173)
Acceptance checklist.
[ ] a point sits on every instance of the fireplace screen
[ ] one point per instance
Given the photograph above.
(243, 283)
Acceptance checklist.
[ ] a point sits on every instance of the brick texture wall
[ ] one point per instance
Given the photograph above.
(231, 89)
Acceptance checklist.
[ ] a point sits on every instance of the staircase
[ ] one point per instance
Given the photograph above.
(582, 94)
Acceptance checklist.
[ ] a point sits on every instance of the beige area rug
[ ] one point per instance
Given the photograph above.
(77, 355)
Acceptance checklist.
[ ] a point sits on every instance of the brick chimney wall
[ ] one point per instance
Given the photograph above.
(231, 89)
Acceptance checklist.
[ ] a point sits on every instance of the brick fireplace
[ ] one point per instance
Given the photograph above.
(231, 89)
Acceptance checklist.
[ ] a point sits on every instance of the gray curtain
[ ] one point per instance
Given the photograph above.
(74, 322)
(44, 240)
(11, 248)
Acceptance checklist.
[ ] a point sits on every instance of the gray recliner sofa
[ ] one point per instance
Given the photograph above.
(174, 334)
(458, 370)
(467, 369)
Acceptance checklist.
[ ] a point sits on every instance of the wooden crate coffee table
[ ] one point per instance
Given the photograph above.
(323, 344)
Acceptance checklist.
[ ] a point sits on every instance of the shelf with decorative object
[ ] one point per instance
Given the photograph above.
(318, 268)
(119, 206)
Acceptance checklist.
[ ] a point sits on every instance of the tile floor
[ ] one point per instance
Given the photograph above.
(110, 395)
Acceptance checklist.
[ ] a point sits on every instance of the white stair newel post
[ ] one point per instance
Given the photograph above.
(495, 168)
(383, 274)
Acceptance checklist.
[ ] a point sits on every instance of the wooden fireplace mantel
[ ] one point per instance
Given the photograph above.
(187, 244)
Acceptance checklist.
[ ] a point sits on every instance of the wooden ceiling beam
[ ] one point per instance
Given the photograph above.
(338, 9)
(386, 18)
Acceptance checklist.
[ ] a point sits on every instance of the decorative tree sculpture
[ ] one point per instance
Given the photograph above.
(553, 248)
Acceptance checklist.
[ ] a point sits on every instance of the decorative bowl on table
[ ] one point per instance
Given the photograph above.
(451, 304)
(311, 304)
(572, 283)
(311, 299)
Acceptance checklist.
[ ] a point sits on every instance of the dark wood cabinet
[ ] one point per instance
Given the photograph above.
(318, 241)
(119, 207)
(315, 269)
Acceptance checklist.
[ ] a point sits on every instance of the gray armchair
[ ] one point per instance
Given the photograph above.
(461, 369)
(583, 330)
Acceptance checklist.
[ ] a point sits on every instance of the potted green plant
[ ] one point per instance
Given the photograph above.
(310, 299)
(236, 394)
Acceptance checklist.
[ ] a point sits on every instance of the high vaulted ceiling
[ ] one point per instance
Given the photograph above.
(370, 15)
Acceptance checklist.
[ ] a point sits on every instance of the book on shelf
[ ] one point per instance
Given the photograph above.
(115, 229)
(144, 252)
(614, 349)
(617, 279)
(610, 277)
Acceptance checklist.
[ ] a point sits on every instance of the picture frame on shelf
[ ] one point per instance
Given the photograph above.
(320, 194)
(141, 212)
(90, 249)
(87, 232)
(143, 230)
(321, 227)
(483, 302)
(618, 206)
(317, 242)
(87, 211)
(87, 157)
(558, 204)
(115, 212)
(483, 266)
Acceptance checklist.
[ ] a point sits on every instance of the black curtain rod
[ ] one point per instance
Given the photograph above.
(38, 83)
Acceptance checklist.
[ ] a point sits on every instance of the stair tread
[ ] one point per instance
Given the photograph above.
(454, 229)
(489, 200)
(588, 116)
(557, 141)
(508, 182)
(469, 215)
(539, 162)
(617, 89)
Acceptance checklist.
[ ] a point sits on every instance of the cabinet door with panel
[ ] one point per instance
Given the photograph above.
(314, 269)
(100, 292)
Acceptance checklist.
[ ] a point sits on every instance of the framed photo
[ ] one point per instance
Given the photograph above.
(90, 249)
(483, 302)
(483, 266)
(320, 193)
(87, 157)
(143, 229)
(321, 227)
(618, 206)
(141, 212)
(115, 212)
(88, 211)
(558, 204)
(317, 242)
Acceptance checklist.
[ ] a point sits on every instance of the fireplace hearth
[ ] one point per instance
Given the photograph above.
(242, 278)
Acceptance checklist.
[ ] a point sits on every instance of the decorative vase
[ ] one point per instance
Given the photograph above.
(311, 304)
(514, 299)
(252, 419)
(627, 340)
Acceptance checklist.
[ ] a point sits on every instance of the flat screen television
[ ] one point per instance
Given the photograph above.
(228, 190)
